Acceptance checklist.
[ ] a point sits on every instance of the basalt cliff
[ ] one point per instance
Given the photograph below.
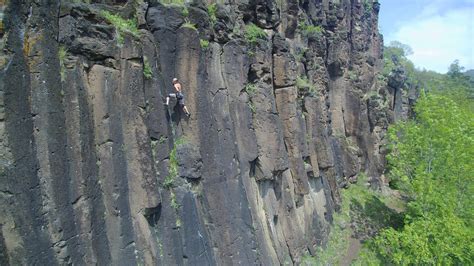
(287, 105)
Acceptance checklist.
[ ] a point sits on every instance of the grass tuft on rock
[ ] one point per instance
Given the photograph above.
(250, 88)
(121, 25)
(367, 7)
(252, 107)
(185, 11)
(174, 2)
(147, 71)
(174, 203)
(204, 43)
(211, 11)
(62, 53)
(305, 86)
(173, 165)
(253, 34)
(189, 25)
(311, 31)
(172, 170)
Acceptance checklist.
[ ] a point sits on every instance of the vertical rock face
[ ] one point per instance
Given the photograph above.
(96, 170)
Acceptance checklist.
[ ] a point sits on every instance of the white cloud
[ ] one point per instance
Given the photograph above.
(439, 36)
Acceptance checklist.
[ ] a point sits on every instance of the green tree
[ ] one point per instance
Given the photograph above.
(455, 70)
(454, 84)
(405, 49)
(396, 54)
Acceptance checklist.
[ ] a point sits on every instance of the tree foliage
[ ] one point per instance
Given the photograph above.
(396, 54)
(431, 161)
(455, 70)
(458, 86)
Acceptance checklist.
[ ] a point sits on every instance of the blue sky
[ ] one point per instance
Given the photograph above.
(438, 31)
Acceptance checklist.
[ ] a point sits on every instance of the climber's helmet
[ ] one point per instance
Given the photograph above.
(175, 80)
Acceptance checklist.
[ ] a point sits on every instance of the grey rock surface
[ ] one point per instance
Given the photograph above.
(95, 170)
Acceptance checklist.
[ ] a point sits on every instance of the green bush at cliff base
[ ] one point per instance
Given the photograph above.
(253, 34)
(430, 162)
(361, 209)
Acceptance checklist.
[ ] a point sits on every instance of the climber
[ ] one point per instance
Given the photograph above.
(179, 96)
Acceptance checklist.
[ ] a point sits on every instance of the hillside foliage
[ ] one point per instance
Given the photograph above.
(431, 163)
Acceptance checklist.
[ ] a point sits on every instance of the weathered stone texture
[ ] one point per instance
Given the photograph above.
(96, 170)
